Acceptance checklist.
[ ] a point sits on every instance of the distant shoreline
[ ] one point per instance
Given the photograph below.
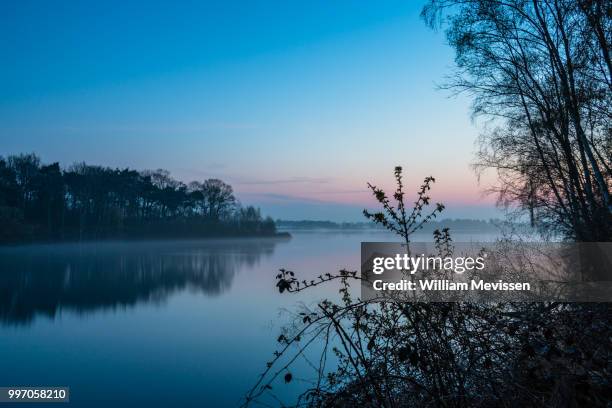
(456, 225)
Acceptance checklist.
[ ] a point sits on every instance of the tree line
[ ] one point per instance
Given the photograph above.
(45, 202)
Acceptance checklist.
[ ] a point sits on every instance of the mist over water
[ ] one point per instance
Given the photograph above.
(194, 320)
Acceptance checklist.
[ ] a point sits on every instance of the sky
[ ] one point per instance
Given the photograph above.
(296, 104)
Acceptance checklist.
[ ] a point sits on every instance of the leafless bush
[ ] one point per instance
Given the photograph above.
(392, 353)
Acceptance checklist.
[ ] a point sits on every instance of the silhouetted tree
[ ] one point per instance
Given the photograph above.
(219, 198)
(49, 201)
(25, 169)
(9, 189)
(541, 70)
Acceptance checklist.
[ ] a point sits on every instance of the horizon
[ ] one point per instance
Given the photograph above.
(315, 210)
(306, 204)
(184, 96)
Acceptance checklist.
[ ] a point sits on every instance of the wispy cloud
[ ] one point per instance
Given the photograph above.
(340, 192)
(282, 198)
(291, 180)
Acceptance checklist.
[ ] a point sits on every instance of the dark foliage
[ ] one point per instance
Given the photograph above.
(44, 202)
(541, 73)
(393, 353)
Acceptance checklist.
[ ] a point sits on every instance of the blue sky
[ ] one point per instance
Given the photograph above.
(296, 104)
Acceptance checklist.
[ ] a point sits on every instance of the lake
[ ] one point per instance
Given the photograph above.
(159, 323)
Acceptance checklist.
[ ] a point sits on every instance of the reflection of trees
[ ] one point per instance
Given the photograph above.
(45, 279)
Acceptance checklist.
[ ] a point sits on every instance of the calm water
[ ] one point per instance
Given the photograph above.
(182, 323)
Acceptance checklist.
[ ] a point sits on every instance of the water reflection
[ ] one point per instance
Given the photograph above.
(42, 280)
